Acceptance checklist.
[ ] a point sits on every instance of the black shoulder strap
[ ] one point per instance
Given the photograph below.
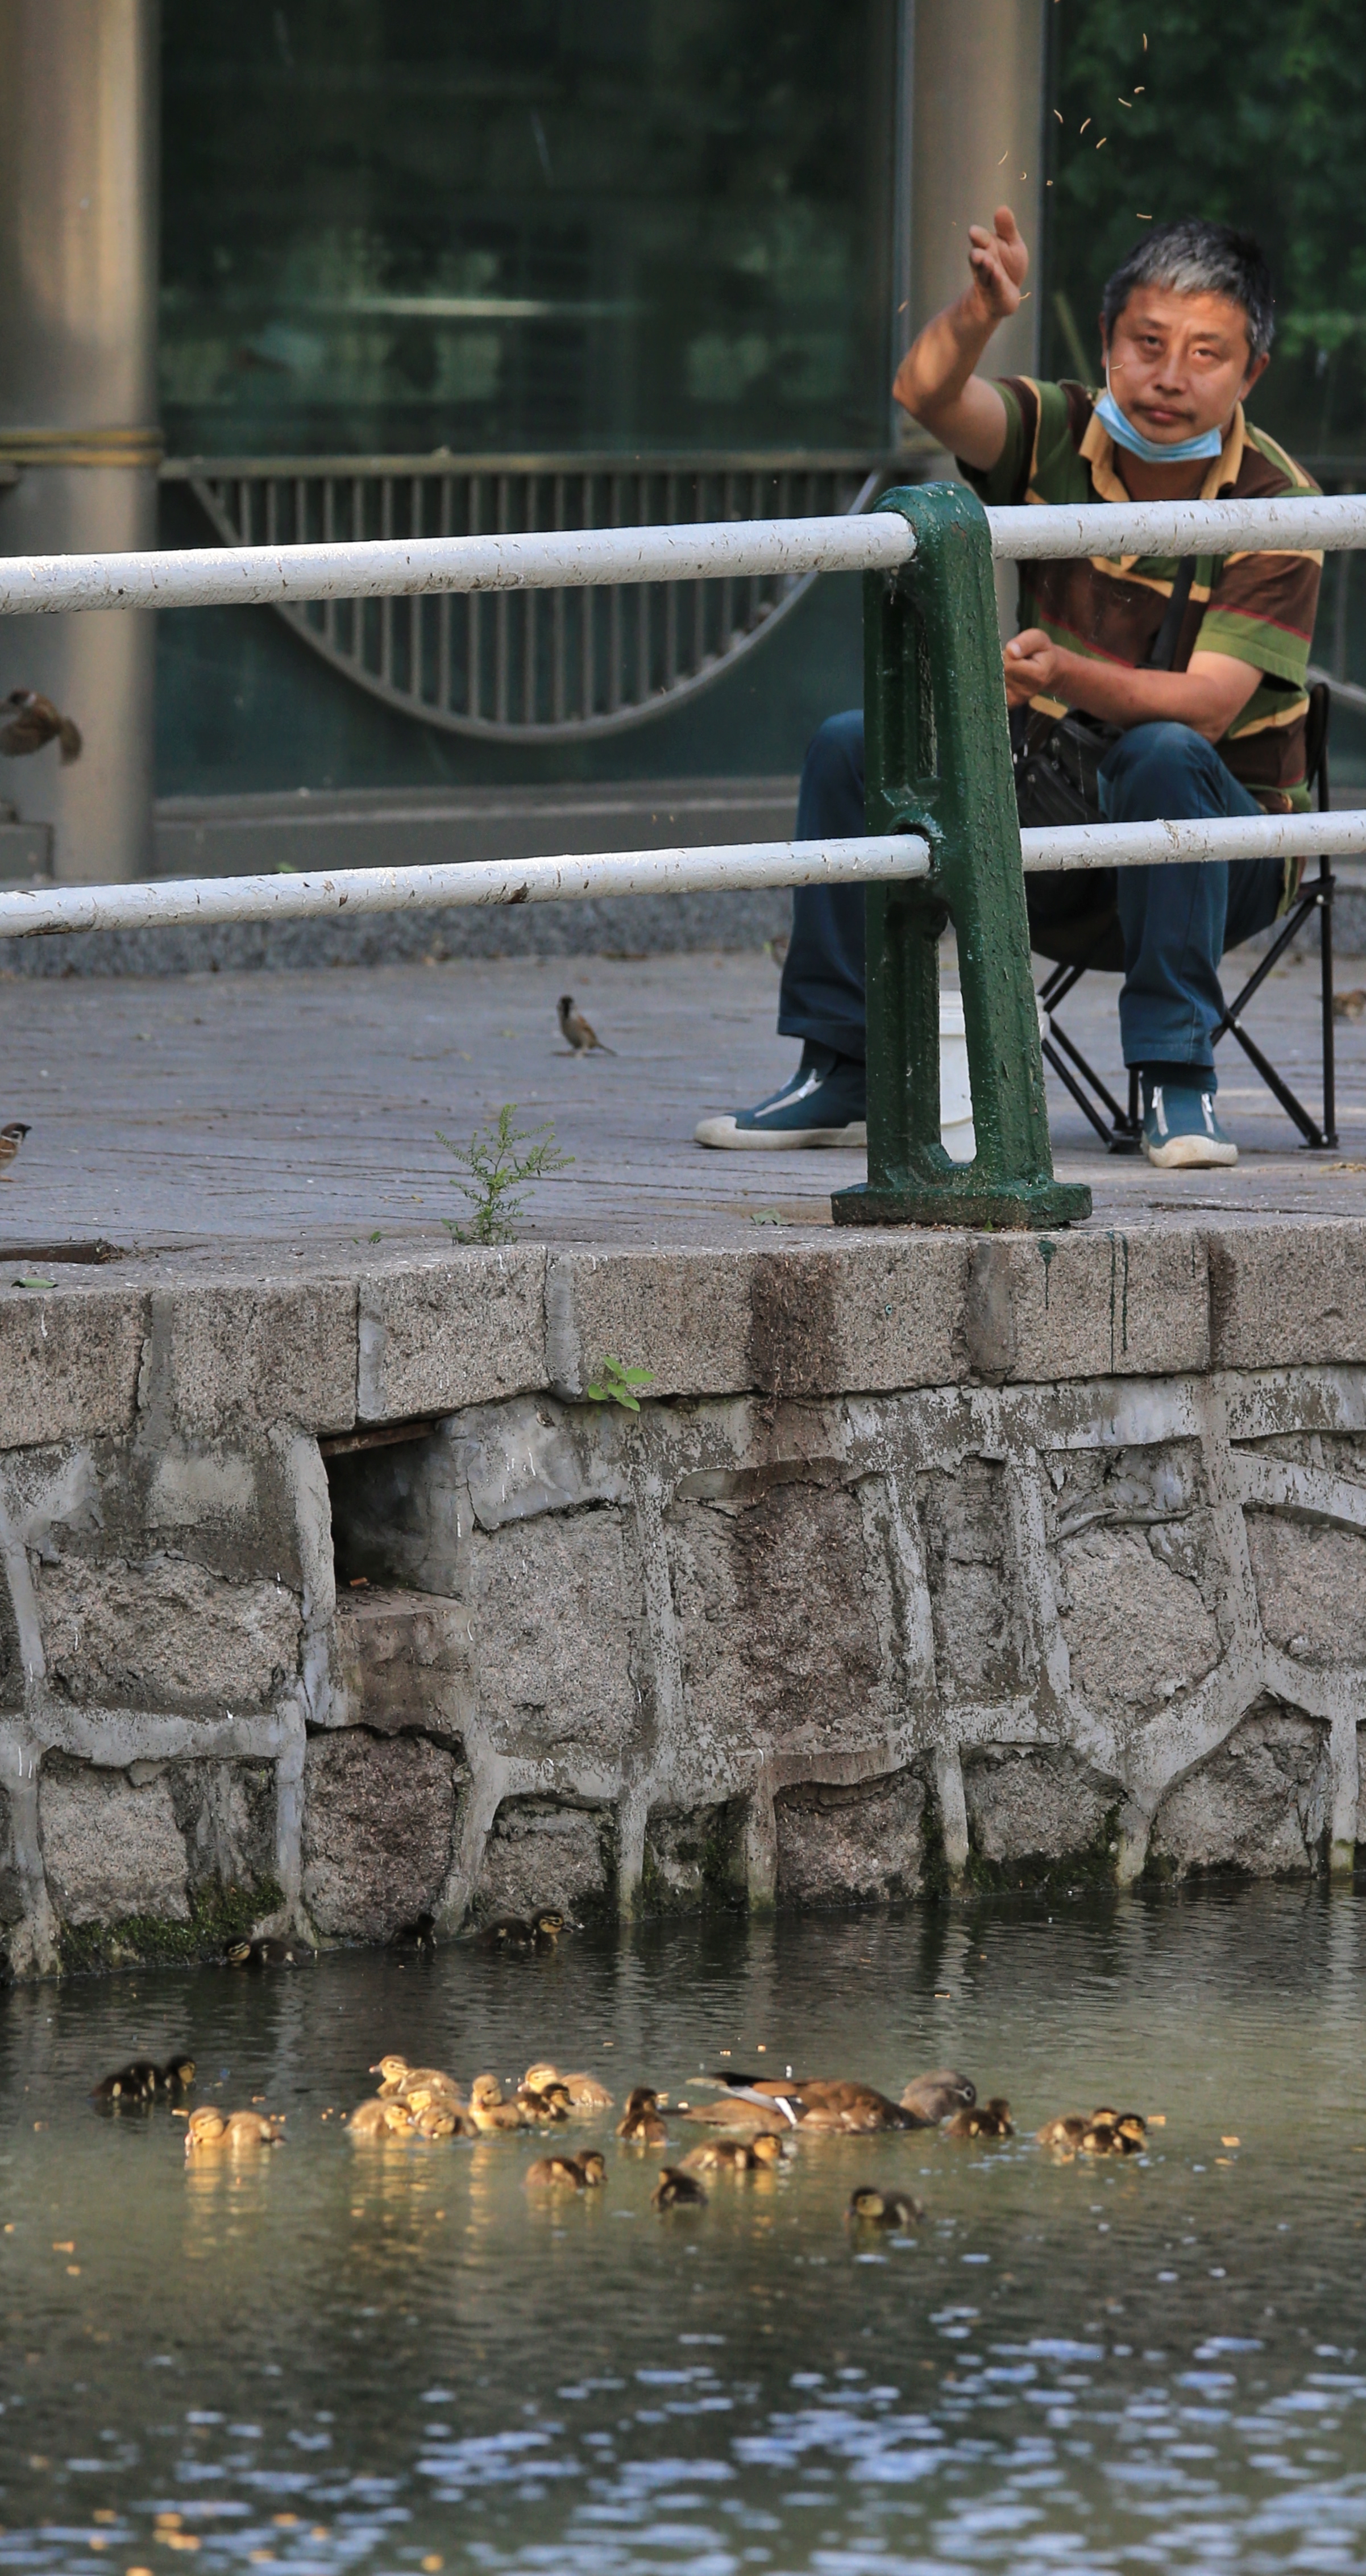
(1162, 650)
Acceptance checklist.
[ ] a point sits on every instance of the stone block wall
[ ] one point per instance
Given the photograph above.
(961, 1560)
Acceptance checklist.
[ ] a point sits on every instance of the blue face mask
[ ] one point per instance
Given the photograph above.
(1183, 451)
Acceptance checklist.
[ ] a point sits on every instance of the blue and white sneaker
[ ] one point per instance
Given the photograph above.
(823, 1103)
(1180, 1130)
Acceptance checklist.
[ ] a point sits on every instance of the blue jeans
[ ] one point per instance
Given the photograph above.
(1176, 921)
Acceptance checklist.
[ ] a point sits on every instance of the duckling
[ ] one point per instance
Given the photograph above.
(248, 2129)
(677, 2190)
(1107, 2138)
(586, 2093)
(767, 2147)
(509, 1932)
(547, 2103)
(418, 1935)
(987, 2120)
(488, 2110)
(127, 2084)
(206, 2127)
(1133, 2126)
(869, 2207)
(177, 2075)
(728, 2155)
(1065, 2133)
(593, 2167)
(642, 2123)
(429, 2096)
(400, 2080)
(267, 1952)
(370, 2120)
(936, 2096)
(546, 1929)
(555, 2173)
(439, 2120)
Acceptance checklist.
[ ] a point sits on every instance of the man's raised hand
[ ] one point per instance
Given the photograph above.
(1000, 265)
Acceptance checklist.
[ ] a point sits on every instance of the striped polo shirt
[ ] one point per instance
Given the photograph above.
(1258, 608)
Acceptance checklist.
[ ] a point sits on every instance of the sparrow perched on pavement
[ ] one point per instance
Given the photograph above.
(30, 721)
(11, 1138)
(575, 1030)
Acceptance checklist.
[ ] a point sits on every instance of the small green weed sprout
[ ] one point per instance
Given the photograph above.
(614, 1384)
(496, 1171)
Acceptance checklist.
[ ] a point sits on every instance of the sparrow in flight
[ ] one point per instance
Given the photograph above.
(28, 722)
(574, 1029)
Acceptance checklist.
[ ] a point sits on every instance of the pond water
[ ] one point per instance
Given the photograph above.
(351, 2358)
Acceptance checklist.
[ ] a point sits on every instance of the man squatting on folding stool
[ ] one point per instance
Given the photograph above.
(1186, 330)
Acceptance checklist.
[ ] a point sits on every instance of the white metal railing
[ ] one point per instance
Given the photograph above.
(27, 912)
(398, 568)
(248, 575)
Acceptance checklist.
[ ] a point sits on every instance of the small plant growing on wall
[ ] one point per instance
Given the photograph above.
(496, 1171)
(615, 1384)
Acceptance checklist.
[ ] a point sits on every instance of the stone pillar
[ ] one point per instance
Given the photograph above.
(78, 399)
(976, 140)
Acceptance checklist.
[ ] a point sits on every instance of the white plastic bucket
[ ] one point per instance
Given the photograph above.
(955, 1090)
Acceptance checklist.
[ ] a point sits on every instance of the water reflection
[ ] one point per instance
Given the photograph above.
(388, 2356)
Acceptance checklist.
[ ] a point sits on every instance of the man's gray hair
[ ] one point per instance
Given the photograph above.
(1194, 258)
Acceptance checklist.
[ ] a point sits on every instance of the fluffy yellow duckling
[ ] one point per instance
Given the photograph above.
(677, 2190)
(492, 2116)
(370, 2120)
(207, 2127)
(642, 2124)
(869, 2207)
(438, 2120)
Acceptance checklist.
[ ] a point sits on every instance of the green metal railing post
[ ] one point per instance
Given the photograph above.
(938, 762)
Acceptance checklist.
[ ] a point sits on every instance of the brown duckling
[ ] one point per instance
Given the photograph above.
(143, 2081)
(248, 2129)
(869, 2207)
(491, 2114)
(935, 2097)
(546, 1929)
(1106, 2138)
(722, 2155)
(986, 2120)
(507, 1933)
(1133, 2126)
(419, 1935)
(268, 1952)
(545, 2103)
(677, 2190)
(587, 2172)
(584, 2091)
(642, 2124)
(1065, 2133)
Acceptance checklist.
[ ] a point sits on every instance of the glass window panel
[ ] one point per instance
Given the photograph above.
(557, 224)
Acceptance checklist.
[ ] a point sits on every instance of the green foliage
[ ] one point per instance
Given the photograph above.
(1258, 120)
(497, 1171)
(218, 1914)
(614, 1383)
